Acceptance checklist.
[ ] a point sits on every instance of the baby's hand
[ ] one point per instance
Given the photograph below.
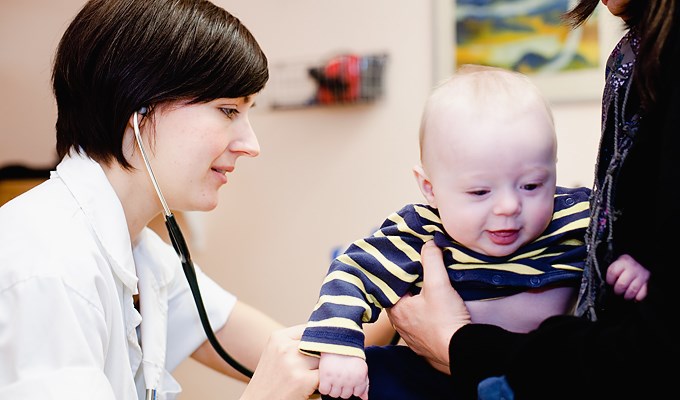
(628, 277)
(343, 376)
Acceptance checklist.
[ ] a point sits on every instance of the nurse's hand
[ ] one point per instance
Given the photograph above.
(284, 373)
(427, 321)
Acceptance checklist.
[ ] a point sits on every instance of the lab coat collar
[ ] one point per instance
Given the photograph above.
(91, 189)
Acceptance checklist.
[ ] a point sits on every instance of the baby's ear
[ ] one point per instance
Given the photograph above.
(425, 185)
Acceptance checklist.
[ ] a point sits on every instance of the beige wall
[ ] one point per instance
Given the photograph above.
(325, 176)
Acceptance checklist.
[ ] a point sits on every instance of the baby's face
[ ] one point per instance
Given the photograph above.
(493, 177)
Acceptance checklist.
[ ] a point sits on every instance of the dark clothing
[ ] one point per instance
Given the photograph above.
(397, 373)
(630, 351)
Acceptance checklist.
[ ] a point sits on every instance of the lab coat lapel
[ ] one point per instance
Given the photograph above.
(88, 184)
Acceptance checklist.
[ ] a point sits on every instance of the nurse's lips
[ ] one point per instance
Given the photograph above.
(504, 237)
(222, 171)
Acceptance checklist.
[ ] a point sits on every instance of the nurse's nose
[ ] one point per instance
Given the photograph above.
(245, 143)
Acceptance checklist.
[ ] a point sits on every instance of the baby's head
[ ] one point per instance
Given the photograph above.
(488, 153)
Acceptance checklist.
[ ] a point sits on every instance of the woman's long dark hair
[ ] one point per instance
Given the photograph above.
(654, 21)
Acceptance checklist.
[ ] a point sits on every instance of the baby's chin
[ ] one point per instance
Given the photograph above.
(495, 250)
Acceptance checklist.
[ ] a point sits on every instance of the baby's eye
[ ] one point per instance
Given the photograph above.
(531, 186)
(231, 113)
(480, 192)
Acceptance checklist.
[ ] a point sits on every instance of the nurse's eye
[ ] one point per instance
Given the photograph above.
(231, 113)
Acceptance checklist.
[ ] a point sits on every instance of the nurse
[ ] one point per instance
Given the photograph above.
(93, 304)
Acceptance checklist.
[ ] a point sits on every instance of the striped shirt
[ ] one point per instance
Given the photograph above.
(375, 272)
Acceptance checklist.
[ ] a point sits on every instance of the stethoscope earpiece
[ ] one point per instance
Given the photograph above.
(143, 110)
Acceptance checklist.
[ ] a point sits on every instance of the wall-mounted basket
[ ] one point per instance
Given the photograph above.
(342, 79)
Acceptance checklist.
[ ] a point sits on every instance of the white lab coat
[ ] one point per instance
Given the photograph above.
(68, 326)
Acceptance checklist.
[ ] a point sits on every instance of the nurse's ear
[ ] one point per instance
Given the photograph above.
(425, 185)
(134, 127)
(141, 113)
(137, 121)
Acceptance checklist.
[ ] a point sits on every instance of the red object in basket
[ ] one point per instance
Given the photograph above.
(339, 80)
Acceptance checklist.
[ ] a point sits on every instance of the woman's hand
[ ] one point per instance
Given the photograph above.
(427, 321)
(284, 373)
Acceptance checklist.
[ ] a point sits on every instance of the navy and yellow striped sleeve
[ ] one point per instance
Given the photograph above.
(372, 274)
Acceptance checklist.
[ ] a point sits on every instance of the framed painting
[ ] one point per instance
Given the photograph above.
(527, 36)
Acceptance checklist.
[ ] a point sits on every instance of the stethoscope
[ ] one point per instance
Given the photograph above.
(182, 250)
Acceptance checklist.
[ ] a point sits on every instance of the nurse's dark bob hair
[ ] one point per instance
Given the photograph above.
(119, 55)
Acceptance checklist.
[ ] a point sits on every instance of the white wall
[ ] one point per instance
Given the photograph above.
(325, 176)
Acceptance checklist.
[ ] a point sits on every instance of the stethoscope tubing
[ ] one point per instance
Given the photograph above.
(180, 245)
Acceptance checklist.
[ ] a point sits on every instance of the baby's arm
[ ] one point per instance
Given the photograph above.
(628, 278)
(342, 376)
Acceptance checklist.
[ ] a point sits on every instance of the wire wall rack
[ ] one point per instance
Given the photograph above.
(342, 79)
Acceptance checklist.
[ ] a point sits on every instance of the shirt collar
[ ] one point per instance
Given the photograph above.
(91, 189)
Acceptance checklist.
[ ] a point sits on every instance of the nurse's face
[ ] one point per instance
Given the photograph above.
(196, 146)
